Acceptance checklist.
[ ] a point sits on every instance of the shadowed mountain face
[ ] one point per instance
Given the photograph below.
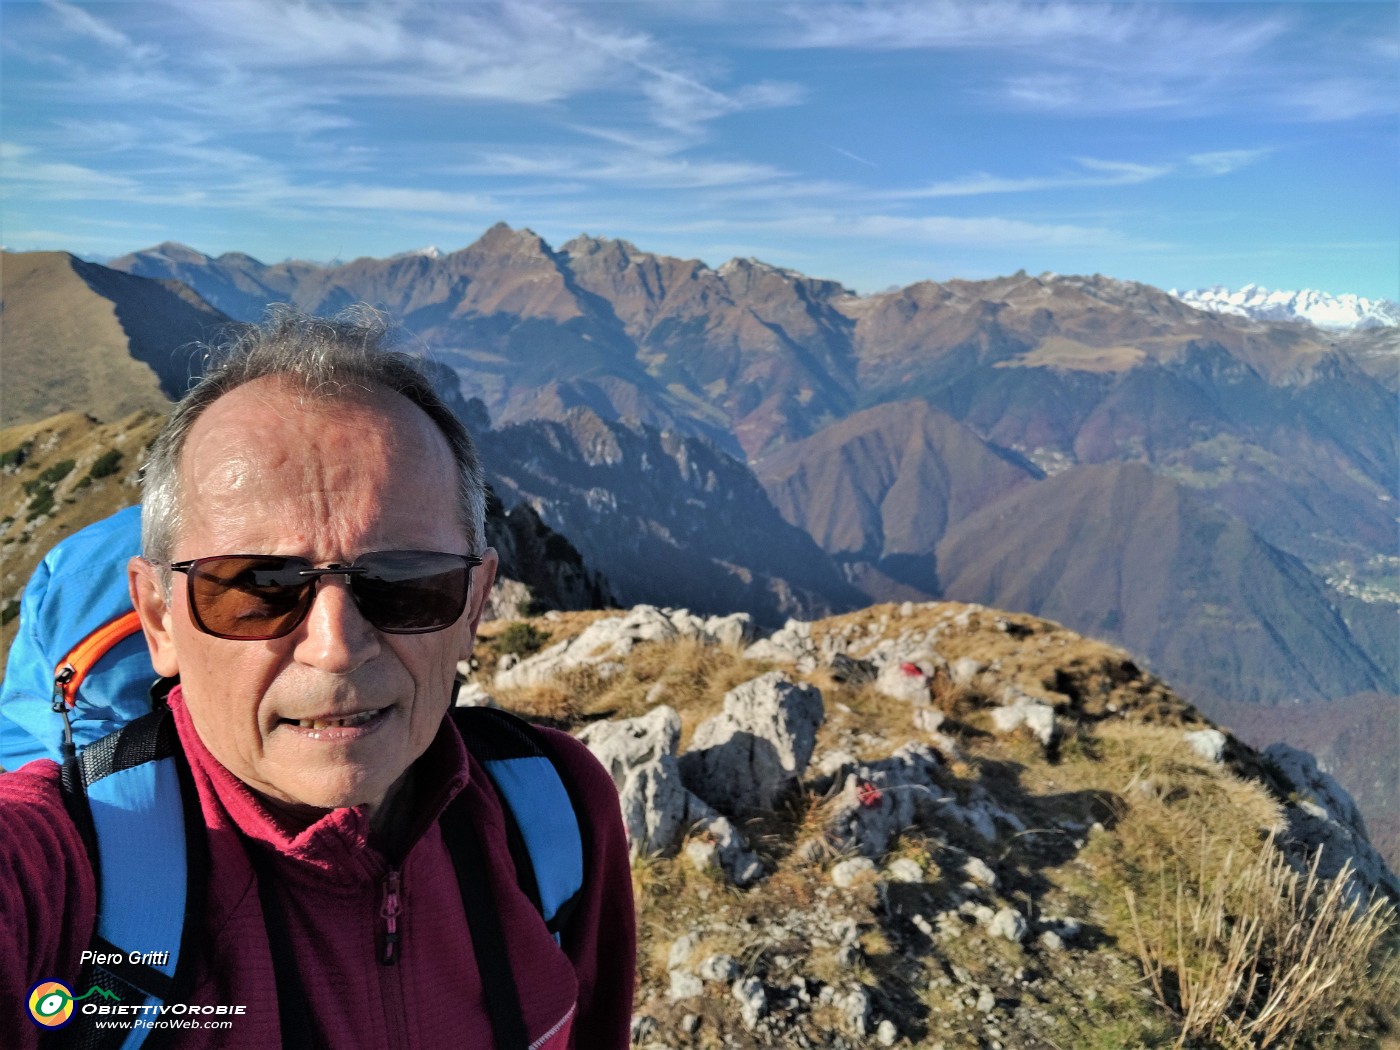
(78, 336)
(888, 426)
(668, 519)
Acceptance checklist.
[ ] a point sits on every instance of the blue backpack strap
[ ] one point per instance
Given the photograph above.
(131, 797)
(542, 823)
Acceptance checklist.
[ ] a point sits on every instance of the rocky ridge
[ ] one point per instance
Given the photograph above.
(922, 824)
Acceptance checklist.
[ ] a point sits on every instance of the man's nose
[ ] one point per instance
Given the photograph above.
(335, 637)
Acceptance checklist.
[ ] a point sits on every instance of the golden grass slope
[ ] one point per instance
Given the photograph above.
(76, 336)
(63, 345)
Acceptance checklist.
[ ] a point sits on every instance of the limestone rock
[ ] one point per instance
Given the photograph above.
(791, 645)
(684, 986)
(746, 758)
(855, 1010)
(735, 630)
(473, 695)
(929, 719)
(682, 948)
(882, 798)
(848, 872)
(604, 641)
(753, 1000)
(905, 869)
(965, 670)
(977, 870)
(1208, 743)
(850, 670)
(640, 754)
(1326, 818)
(1008, 923)
(716, 843)
(904, 680)
(719, 967)
(1023, 710)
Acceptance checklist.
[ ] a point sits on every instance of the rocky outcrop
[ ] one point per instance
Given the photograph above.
(1325, 820)
(549, 573)
(657, 810)
(606, 641)
(746, 759)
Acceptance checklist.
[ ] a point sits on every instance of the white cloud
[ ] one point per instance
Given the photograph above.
(853, 156)
(1223, 162)
(55, 180)
(1092, 34)
(1105, 58)
(1344, 98)
(1094, 173)
(269, 58)
(77, 20)
(636, 169)
(985, 232)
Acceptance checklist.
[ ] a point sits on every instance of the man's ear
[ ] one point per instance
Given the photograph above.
(483, 576)
(148, 596)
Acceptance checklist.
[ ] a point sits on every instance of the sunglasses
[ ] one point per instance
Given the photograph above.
(255, 597)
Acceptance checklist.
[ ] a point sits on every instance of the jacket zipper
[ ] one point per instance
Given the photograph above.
(391, 975)
(389, 912)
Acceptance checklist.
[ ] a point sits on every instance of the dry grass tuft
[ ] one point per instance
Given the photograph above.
(684, 673)
(1252, 953)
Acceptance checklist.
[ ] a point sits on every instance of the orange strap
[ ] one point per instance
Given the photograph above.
(74, 667)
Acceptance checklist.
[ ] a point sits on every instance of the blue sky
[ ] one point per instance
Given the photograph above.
(1182, 144)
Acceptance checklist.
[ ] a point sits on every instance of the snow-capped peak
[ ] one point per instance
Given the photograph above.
(432, 251)
(1319, 308)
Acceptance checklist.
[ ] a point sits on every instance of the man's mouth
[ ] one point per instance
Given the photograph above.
(314, 727)
(337, 723)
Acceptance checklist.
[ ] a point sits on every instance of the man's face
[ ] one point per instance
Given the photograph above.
(265, 471)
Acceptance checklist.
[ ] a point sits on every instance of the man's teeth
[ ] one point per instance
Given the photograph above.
(338, 723)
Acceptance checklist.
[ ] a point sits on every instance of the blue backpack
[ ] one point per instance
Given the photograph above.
(78, 689)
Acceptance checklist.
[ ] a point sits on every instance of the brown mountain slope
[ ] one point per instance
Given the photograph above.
(887, 482)
(82, 337)
(1117, 551)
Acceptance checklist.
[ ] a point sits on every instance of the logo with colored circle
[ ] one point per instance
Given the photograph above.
(51, 1004)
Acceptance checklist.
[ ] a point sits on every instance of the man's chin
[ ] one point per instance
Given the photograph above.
(305, 803)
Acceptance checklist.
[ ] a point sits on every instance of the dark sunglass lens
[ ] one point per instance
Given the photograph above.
(407, 592)
(249, 597)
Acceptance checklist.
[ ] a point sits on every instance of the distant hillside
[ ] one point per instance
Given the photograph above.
(83, 337)
(1118, 551)
(880, 488)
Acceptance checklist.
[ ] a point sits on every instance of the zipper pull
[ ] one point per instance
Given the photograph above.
(390, 913)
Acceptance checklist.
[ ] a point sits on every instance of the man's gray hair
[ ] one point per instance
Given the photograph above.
(326, 358)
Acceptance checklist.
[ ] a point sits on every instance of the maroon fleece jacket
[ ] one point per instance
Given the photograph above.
(333, 887)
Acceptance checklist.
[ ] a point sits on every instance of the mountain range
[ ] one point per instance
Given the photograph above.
(1319, 308)
(903, 431)
(931, 441)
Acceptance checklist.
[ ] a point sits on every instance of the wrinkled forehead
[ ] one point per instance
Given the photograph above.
(270, 444)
